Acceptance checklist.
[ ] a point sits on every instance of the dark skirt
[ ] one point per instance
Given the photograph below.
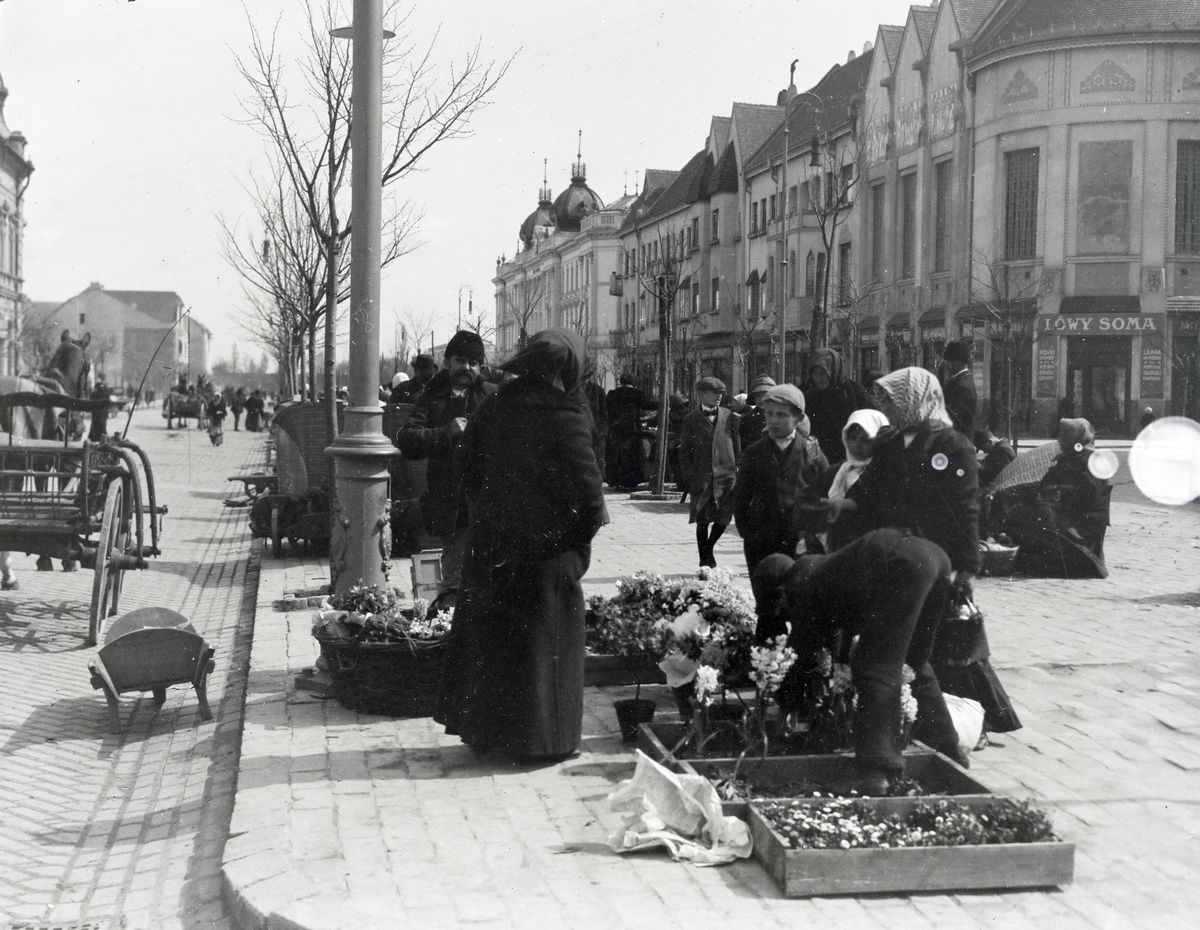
(513, 673)
(1051, 546)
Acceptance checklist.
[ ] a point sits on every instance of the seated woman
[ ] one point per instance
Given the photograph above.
(1061, 531)
(889, 588)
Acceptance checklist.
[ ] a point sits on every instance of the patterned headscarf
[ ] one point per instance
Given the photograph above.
(917, 397)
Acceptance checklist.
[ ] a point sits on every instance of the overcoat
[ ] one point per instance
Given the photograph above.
(961, 401)
(708, 455)
(772, 484)
(426, 435)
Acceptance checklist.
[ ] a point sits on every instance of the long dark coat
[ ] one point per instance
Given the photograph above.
(930, 487)
(426, 435)
(513, 675)
(1061, 532)
(771, 485)
(708, 455)
(961, 401)
(829, 409)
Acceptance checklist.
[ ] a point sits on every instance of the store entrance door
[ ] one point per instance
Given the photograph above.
(1098, 382)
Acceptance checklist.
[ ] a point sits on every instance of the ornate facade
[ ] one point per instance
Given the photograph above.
(15, 171)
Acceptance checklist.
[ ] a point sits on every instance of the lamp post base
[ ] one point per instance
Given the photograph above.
(360, 544)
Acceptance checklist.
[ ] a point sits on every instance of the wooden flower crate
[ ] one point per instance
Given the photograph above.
(1003, 866)
(835, 770)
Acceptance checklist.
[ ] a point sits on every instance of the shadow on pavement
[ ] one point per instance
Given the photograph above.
(43, 626)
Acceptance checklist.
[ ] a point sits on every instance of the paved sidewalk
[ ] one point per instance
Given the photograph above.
(352, 821)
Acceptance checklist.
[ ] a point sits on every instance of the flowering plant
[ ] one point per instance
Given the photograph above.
(376, 614)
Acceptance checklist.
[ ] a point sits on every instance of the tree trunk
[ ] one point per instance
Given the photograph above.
(331, 281)
(664, 382)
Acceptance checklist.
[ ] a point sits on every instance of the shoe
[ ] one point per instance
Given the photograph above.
(10, 585)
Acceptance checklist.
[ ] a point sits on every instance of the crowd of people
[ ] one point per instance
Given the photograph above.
(859, 512)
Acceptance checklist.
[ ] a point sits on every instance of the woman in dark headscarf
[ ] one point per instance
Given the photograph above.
(830, 397)
(513, 675)
(1061, 533)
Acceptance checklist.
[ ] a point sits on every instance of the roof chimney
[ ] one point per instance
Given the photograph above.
(850, 56)
(866, 47)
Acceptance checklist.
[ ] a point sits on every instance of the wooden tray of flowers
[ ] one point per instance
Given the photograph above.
(831, 846)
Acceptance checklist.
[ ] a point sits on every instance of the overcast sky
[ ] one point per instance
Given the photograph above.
(135, 129)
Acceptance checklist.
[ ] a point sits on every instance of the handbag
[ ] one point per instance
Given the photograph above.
(960, 661)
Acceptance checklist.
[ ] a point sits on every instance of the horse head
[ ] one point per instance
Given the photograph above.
(69, 366)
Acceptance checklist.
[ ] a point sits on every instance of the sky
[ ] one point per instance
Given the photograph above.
(138, 137)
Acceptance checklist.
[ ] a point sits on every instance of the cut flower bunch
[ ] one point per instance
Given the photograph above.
(376, 614)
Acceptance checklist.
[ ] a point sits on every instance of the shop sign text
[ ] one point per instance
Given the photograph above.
(1085, 324)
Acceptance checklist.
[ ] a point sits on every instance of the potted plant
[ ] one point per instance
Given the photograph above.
(383, 657)
(629, 630)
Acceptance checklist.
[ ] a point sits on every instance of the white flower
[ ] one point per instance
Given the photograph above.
(689, 622)
(678, 668)
(708, 683)
(770, 665)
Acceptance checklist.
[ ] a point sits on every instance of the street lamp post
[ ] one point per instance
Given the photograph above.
(361, 540)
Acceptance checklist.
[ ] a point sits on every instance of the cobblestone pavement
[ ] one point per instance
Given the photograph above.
(127, 830)
(352, 821)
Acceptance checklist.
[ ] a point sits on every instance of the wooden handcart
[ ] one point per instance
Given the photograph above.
(87, 502)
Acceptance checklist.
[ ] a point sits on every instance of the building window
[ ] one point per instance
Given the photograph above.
(810, 275)
(716, 226)
(792, 272)
(770, 279)
(695, 298)
(695, 243)
(1020, 203)
(877, 205)
(908, 220)
(1105, 186)
(716, 295)
(1187, 197)
(845, 197)
(754, 218)
(820, 275)
(791, 200)
(845, 297)
(941, 216)
(755, 296)
(82, 319)
(773, 217)
(763, 213)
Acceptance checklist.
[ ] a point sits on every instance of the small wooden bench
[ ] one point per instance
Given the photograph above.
(149, 650)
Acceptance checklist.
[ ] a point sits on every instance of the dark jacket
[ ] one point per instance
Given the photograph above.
(408, 391)
(752, 424)
(426, 435)
(708, 456)
(930, 488)
(625, 407)
(961, 402)
(527, 464)
(771, 483)
(997, 457)
(828, 410)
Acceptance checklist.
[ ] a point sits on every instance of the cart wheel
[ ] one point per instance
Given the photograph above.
(106, 583)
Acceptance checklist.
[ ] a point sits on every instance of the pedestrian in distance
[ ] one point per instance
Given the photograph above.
(958, 385)
(433, 431)
(626, 404)
(597, 402)
(216, 410)
(255, 409)
(776, 475)
(753, 423)
(889, 589)
(513, 673)
(1148, 417)
(709, 446)
(237, 406)
(830, 399)
(424, 368)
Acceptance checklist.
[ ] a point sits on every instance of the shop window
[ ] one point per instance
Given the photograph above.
(1105, 186)
(941, 216)
(1187, 197)
(1020, 203)
(908, 219)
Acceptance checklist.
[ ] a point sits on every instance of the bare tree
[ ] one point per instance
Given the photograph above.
(311, 139)
(413, 329)
(531, 293)
(39, 337)
(750, 328)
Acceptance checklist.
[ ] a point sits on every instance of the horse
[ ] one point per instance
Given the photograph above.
(67, 373)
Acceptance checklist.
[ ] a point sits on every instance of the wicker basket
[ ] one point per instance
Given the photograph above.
(995, 559)
(394, 679)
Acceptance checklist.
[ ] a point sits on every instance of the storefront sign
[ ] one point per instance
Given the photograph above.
(1047, 370)
(1152, 366)
(1102, 324)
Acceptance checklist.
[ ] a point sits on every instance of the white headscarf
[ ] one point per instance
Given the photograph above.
(870, 422)
(917, 397)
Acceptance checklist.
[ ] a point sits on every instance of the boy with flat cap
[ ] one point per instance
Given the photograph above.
(709, 446)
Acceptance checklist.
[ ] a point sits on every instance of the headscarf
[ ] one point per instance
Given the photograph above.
(830, 361)
(1076, 435)
(871, 422)
(917, 397)
(552, 352)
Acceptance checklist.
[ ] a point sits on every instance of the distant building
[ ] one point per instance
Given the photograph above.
(15, 170)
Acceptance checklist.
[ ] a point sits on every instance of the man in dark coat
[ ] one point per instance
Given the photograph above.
(433, 431)
(709, 446)
(775, 476)
(958, 386)
(513, 673)
(626, 404)
(424, 368)
(598, 406)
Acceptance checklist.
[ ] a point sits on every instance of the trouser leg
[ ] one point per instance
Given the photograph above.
(702, 543)
(453, 551)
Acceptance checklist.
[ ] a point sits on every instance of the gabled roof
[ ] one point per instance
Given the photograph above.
(683, 190)
(824, 107)
(654, 184)
(1017, 22)
(753, 124)
(923, 18)
(970, 14)
(724, 176)
(162, 305)
(891, 37)
(718, 132)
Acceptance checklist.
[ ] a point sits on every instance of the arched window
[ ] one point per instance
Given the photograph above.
(810, 275)
(792, 271)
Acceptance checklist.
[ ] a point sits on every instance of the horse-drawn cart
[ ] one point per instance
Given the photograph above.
(179, 407)
(85, 502)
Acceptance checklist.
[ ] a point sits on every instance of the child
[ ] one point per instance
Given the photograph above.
(776, 476)
(216, 416)
(858, 438)
(709, 446)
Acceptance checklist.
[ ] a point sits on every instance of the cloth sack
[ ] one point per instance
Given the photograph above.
(968, 720)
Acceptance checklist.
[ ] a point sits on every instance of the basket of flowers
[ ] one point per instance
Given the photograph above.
(383, 657)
